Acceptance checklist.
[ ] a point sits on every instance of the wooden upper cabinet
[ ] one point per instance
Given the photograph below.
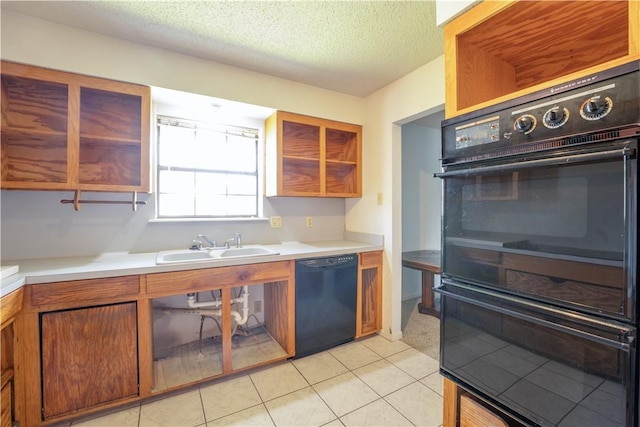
(308, 156)
(64, 131)
(500, 50)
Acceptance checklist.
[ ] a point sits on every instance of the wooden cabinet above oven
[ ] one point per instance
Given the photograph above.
(501, 50)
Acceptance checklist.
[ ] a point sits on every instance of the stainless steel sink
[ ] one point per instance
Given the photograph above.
(203, 255)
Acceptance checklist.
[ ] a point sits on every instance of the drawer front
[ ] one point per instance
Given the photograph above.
(370, 258)
(84, 292)
(217, 278)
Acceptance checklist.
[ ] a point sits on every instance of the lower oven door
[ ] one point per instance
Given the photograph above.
(542, 365)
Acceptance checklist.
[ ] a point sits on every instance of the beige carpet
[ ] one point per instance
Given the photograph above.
(420, 331)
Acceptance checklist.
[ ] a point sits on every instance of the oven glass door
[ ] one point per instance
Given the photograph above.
(535, 363)
(561, 228)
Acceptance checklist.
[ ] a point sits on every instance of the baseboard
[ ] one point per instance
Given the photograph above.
(391, 336)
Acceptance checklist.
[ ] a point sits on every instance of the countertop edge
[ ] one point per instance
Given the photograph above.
(50, 270)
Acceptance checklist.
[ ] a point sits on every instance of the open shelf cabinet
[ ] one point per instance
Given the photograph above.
(500, 50)
(308, 156)
(65, 131)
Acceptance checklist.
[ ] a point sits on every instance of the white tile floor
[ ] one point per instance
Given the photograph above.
(372, 382)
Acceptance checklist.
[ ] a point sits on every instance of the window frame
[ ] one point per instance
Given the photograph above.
(244, 128)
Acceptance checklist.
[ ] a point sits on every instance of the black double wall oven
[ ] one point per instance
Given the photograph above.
(539, 295)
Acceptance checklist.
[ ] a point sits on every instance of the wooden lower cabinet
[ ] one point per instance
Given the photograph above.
(461, 409)
(89, 357)
(10, 308)
(369, 308)
(88, 345)
(229, 347)
(474, 414)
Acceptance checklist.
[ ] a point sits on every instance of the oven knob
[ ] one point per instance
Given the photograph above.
(525, 124)
(555, 117)
(596, 107)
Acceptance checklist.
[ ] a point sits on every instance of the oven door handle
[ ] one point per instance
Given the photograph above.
(555, 326)
(574, 158)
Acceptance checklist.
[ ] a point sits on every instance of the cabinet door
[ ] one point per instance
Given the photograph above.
(369, 294)
(342, 160)
(113, 139)
(89, 357)
(34, 132)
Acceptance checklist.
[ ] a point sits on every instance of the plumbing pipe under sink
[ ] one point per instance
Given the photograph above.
(199, 307)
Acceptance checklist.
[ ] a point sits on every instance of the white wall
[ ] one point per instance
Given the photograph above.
(44, 43)
(420, 198)
(417, 94)
(35, 224)
(420, 190)
(446, 10)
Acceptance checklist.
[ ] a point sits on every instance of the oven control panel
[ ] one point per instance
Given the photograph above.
(478, 132)
(600, 102)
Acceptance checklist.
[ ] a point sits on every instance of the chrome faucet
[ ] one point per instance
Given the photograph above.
(212, 243)
(236, 238)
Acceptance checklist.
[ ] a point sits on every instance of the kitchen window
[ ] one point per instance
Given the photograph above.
(206, 170)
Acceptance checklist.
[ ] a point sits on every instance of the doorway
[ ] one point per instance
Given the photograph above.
(421, 204)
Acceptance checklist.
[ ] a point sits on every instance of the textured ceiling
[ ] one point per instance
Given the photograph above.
(354, 47)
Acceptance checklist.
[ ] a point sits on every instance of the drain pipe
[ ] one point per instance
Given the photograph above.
(243, 299)
(194, 311)
(192, 301)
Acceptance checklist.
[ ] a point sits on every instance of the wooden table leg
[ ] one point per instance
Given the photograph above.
(427, 304)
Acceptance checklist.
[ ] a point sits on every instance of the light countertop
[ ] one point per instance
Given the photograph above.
(39, 271)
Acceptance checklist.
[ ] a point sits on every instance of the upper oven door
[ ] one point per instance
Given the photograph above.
(558, 228)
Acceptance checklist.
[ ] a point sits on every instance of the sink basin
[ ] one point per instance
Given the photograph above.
(188, 255)
(248, 251)
(170, 257)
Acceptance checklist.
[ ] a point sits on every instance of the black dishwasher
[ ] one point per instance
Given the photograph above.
(326, 290)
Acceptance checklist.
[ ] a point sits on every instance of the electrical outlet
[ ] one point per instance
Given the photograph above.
(257, 307)
(309, 221)
(276, 222)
